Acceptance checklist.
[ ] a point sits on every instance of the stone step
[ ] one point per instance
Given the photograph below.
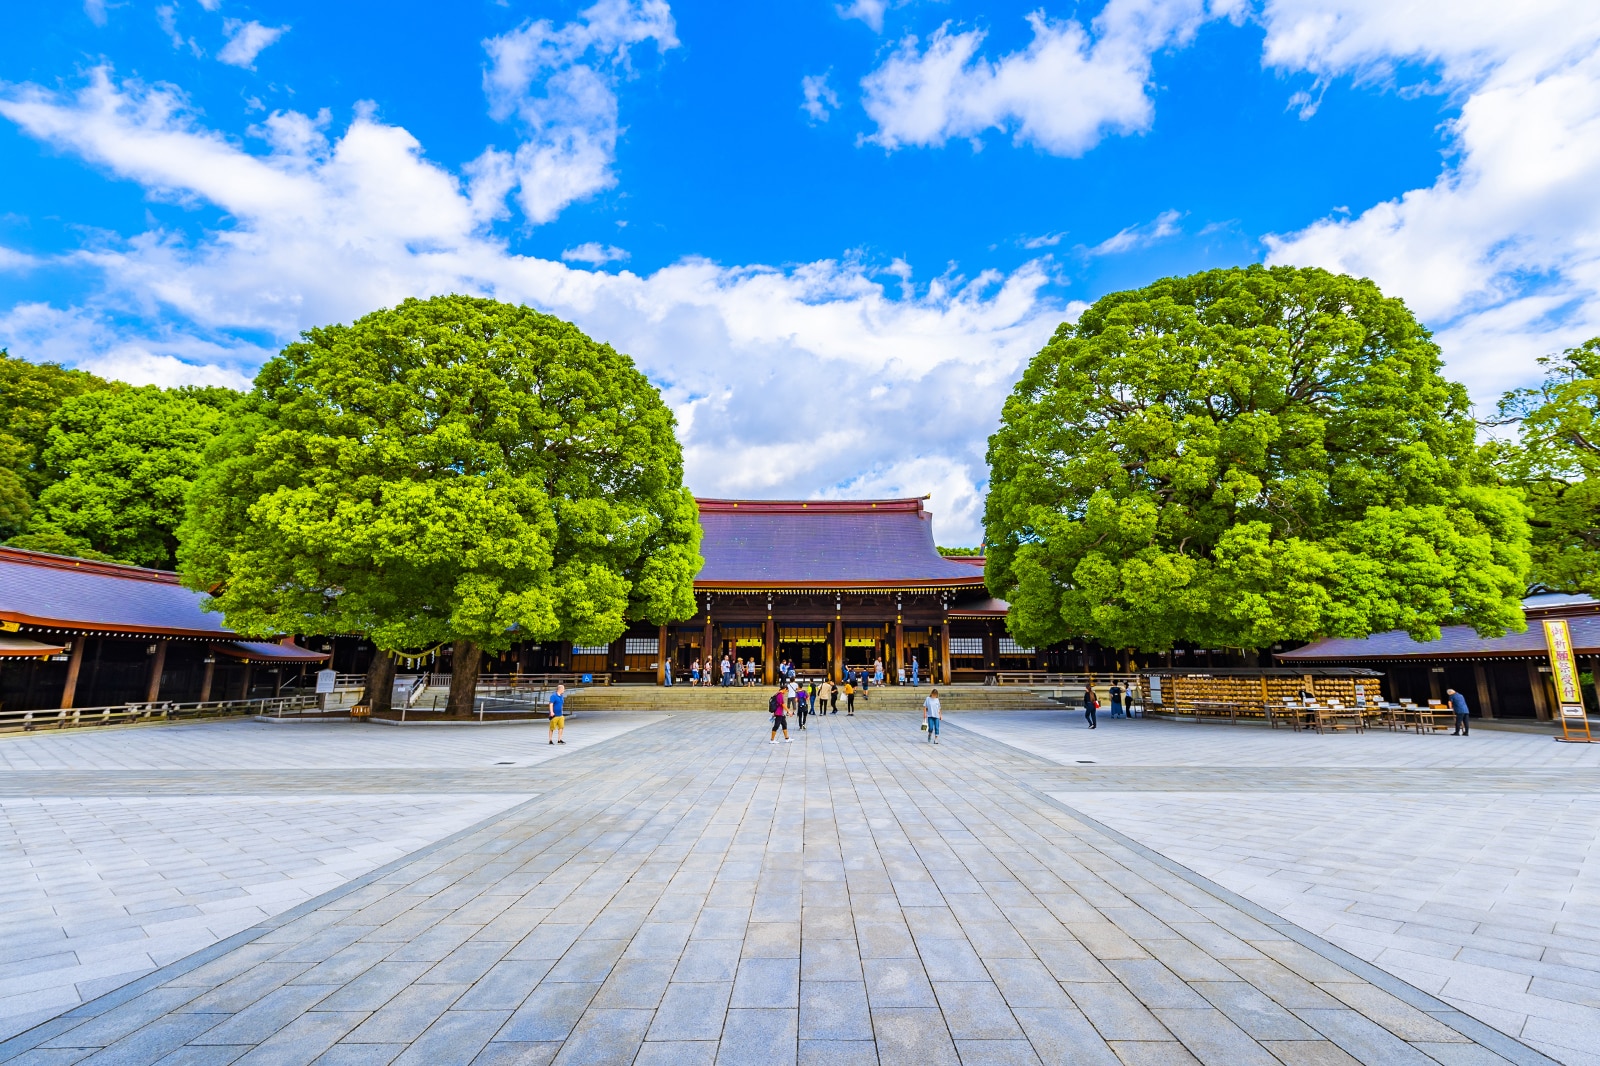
(890, 698)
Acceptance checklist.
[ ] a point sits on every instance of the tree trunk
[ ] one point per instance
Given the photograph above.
(466, 658)
(379, 696)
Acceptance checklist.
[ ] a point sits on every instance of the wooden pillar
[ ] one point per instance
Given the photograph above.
(661, 657)
(944, 651)
(1541, 698)
(705, 642)
(991, 646)
(207, 677)
(899, 650)
(1485, 704)
(244, 685)
(69, 692)
(158, 663)
(838, 647)
(769, 644)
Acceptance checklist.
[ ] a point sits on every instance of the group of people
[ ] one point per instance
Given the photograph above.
(822, 698)
(1091, 704)
(736, 672)
(729, 673)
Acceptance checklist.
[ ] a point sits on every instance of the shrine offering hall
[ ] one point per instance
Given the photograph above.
(824, 584)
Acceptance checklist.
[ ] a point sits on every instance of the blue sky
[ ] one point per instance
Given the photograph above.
(833, 234)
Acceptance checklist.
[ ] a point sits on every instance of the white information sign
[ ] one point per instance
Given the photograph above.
(326, 680)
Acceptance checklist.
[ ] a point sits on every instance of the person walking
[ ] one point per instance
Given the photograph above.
(780, 717)
(1091, 703)
(877, 671)
(1116, 700)
(667, 667)
(1458, 704)
(833, 698)
(930, 708)
(558, 715)
(820, 704)
(913, 671)
(849, 700)
(802, 706)
(812, 703)
(694, 673)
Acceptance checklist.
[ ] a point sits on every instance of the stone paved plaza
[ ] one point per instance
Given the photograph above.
(676, 890)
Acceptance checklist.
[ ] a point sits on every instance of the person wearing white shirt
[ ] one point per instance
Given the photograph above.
(930, 707)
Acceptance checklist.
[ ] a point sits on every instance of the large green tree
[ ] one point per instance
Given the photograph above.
(1557, 461)
(30, 393)
(120, 462)
(453, 470)
(1241, 457)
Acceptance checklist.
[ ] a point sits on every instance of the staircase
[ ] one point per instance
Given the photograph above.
(684, 699)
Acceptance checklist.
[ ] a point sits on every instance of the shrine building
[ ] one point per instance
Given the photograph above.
(825, 584)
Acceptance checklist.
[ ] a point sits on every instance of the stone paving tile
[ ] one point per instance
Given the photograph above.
(854, 897)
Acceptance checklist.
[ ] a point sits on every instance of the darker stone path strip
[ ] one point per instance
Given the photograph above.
(688, 893)
(1039, 774)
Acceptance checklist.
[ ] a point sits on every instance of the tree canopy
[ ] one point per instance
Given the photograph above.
(1245, 456)
(30, 393)
(120, 462)
(1557, 462)
(453, 469)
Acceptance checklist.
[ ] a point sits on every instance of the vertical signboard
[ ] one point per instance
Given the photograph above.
(1564, 672)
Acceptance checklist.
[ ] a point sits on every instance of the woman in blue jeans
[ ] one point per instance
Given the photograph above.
(1090, 704)
(930, 707)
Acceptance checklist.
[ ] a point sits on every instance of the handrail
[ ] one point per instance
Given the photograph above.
(161, 710)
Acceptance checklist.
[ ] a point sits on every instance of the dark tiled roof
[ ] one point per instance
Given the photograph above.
(1458, 641)
(263, 651)
(58, 592)
(987, 607)
(774, 543)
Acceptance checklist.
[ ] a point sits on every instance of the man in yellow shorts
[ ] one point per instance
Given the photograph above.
(558, 715)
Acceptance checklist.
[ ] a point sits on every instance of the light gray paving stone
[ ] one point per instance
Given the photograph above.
(759, 1037)
(677, 1053)
(304, 1039)
(863, 859)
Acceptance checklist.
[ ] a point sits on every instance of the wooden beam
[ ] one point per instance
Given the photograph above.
(69, 692)
(899, 651)
(661, 657)
(158, 663)
(1541, 698)
(770, 646)
(944, 652)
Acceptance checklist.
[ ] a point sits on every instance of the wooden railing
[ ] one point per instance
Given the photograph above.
(161, 711)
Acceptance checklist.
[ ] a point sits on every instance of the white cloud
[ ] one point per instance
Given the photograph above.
(820, 98)
(1043, 240)
(246, 40)
(595, 254)
(1066, 91)
(1142, 236)
(84, 339)
(559, 84)
(96, 10)
(11, 259)
(868, 11)
(1501, 254)
(784, 379)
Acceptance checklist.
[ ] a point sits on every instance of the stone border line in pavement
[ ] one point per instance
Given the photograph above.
(688, 892)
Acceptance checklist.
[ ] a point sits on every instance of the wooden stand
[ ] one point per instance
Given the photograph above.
(1574, 725)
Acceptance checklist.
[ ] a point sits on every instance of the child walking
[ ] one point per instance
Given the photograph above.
(930, 707)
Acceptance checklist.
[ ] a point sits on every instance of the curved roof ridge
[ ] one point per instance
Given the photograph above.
(26, 557)
(714, 506)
